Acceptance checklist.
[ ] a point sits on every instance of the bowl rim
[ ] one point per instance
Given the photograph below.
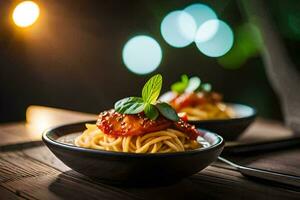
(48, 140)
(253, 114)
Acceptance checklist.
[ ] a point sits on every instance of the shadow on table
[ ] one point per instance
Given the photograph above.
(72, 185)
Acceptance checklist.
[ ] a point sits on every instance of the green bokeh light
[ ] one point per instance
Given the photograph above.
(248, 43)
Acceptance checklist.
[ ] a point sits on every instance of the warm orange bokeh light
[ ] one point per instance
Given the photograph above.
(26, 13)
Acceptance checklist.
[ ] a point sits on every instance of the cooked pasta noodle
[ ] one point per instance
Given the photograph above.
(208, 111)
(163, 141)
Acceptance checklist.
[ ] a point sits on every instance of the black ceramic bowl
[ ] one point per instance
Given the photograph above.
(129, 168)
(230, 129)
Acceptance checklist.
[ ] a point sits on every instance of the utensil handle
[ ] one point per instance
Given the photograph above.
(263, 146)
(271, 176)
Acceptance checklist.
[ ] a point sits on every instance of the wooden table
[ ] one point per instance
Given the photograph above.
(31, 171)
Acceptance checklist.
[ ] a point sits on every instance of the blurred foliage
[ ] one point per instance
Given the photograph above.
(248, 43)
(287, 15)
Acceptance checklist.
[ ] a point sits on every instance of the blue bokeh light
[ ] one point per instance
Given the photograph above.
(142, 54)
(178, 29)
(201, 13)
(214, 38)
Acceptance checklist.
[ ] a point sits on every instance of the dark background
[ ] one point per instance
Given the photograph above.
(71, 58)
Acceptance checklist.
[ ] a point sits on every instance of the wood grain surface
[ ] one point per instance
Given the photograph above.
(35, 173)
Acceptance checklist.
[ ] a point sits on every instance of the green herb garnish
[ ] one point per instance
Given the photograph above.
(181, 85)
(130, 105)
(190, 85)
(152, 89)
(167, 111)
(148, 102)
(206, 87)
(151, 111)
(193, 84)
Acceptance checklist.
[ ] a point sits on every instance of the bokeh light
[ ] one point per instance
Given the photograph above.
(201, 13)
(207, 31)
(178, 29)
(26, 13)
(142, 54)
(214, 38)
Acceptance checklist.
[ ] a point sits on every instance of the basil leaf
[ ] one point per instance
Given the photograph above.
(206, 87)
(151, 111)
(167, 111)
(130, 105)
(180, 86)
(193, 84)
(152, 89)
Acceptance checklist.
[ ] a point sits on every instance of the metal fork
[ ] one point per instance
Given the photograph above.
(264, 174)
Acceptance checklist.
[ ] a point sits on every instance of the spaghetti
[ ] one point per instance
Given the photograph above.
(199, 105)
(208, 111)
(163, 141)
